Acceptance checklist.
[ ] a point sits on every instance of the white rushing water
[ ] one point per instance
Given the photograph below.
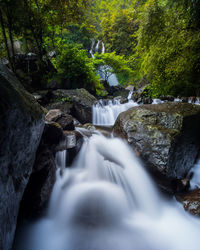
(103, 48)
(195, 171)
(92, 47)
(106, 112)
(106, 201)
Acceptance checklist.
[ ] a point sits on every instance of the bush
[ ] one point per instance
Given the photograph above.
(76, 70)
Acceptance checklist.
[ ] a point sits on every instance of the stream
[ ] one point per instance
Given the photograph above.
(107, 201)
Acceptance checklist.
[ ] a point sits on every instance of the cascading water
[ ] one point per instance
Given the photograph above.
(97, 46)
(106, 201)
(61, 159)
(92, 47)
(103, 48)
(195, 172)
(105, 112)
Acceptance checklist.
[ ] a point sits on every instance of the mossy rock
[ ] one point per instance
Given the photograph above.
(21, 126)
(166, 136)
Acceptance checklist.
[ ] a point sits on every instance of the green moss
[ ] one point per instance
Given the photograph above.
(13, 97)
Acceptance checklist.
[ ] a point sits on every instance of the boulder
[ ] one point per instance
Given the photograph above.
(53, 134)
(166, 136)
(117, 91)
(53, 114)
(63, 119)
(74, 141)
(64, 106)
(42, 179)
(81, 101)
(190, 201)
(21, 126)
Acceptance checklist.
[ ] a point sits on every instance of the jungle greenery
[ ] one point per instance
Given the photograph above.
(156, 42)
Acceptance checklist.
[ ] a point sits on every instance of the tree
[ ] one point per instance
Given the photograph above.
(77, 70)
(110, 63)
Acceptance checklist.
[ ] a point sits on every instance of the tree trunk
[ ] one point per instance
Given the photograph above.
(5, 39)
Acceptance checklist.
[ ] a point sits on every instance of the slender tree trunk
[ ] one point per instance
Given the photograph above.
(5, 39)
(33, 31)
(9, 18)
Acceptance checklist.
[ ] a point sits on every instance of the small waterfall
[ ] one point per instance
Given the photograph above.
(108, 201)
(130, 95)
(197, 101)
(97, 46)
(60, 159)
(103, 48)
(92, 47)
(195, 172)
(105, 112)
(112, 80)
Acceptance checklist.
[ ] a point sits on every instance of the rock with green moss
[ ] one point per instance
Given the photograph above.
(21, 126)
(166, 136)
(80, 102)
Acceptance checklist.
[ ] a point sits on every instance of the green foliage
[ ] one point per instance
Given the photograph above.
(109, 63)
(118, 31)
(155, 40)
(76, 69)
(168, 50)
(79, 34)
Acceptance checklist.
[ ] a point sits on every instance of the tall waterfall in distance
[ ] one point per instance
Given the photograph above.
(112, 80)
(92, 47)
(106, 200)
(103, 48)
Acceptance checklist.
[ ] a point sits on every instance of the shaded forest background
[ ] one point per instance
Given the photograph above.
(152, 43)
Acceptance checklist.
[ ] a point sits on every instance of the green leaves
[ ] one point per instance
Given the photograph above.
(167, 53)
(109, 63)
(76, 69)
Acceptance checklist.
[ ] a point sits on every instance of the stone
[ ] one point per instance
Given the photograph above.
(147, 100)
(190, 201)
(65, 107)
(53, 134)
(166, 137)
(53, 114)
(81, 100)
(21, 127)
(167, 98)
(65, 120)
(74, 141)
(42, 179)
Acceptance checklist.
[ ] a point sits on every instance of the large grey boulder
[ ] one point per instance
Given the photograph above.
(78, 101)
(166, 136)
(21, 126)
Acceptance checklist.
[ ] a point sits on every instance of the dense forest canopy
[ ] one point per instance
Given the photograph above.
(152, 42)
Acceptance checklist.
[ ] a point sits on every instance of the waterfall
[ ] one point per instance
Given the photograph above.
(106, 200)
(92, 47)
(105, 112)
(97, 46)
(195, 172)
(103, 48)
(60, 159)
(112, 79)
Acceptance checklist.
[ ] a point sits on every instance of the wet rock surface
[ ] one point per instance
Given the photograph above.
(42, 179)
(21, 126)
(190, 201)
(166, 136)
(81, 103)
(65, 120)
